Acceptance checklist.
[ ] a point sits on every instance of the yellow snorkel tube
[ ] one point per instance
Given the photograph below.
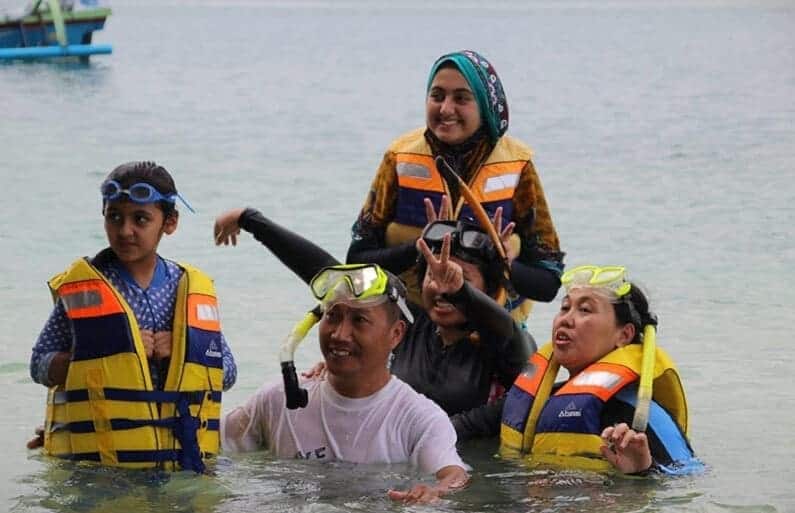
(296, 396)
(641, 418)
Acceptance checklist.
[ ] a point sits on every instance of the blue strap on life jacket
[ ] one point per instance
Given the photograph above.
(683, 459)
(185, 428)
(121, 394)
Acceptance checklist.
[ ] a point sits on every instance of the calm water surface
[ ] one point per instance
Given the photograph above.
(664, 136)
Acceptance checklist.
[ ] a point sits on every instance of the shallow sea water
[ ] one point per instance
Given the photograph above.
(663, 132)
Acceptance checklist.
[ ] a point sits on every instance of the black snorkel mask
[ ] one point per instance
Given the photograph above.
(468, 241)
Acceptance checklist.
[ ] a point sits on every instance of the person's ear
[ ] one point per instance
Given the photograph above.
(626, 335)
(396, 333)
(171, 222)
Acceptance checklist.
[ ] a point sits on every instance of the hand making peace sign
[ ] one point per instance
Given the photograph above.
(447, 275)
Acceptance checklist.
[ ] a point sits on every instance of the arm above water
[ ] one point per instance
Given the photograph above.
(300, 255)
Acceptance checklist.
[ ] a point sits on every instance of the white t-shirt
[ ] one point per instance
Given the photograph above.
(394, 425)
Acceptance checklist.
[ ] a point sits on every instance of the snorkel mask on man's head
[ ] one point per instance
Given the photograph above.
(359, 285)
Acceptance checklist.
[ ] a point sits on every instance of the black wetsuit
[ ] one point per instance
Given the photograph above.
(457, 377)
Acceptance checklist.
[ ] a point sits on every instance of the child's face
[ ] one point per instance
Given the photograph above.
(134, 230)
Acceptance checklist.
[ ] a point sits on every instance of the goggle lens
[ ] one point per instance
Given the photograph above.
(139, 193)
(473, 239)
(359, 280)
(435, 232)
(467, 240)
(611, 277)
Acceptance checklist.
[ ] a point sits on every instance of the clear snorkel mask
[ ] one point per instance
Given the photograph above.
(609, 280)
(359, 285)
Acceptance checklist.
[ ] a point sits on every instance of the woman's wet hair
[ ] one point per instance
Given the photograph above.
(634, 309)
(148, 172)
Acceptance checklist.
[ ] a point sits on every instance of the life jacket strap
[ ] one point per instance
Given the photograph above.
(146, 396)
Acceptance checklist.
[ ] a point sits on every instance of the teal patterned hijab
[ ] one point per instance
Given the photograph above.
(483, 79)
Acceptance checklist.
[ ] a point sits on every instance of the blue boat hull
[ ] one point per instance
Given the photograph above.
(19, 35)
(37, 52)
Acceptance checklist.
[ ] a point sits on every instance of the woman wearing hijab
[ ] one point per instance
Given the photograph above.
(466, 120)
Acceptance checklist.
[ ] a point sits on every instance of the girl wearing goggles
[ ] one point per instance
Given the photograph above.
(130, 301)
(141, 192)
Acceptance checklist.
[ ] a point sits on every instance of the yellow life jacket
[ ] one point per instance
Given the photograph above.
(567, 429)
(493, 185)
(107, 411)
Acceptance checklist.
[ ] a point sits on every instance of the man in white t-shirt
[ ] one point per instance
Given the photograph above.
(360, 413)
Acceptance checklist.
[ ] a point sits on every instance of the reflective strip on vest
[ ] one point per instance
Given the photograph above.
(501, 182)
(91, 298)
(418, 172)
(203, 312)
(601, 379)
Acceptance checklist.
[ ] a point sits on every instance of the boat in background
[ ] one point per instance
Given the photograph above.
(53, 28)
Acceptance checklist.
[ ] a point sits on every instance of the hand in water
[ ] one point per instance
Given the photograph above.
(38, 440)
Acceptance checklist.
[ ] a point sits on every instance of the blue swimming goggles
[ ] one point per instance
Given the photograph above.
(139, 193)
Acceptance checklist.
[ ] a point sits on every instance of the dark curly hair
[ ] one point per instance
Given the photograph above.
(634, 309)
(148, 172)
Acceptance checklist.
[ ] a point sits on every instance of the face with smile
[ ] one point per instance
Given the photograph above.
(586, 329)
(356, 343)
(451, 110)
(134, 230)
(442, 312)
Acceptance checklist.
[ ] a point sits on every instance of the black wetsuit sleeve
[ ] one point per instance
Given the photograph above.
(482, 312)
(513, 347)
(303, 257)
(481, 422)
(534, 282)
(368, 245)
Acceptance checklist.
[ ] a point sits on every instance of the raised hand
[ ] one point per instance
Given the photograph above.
(226, 228)
(445, 210)
(505, 235)
(445, 276)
